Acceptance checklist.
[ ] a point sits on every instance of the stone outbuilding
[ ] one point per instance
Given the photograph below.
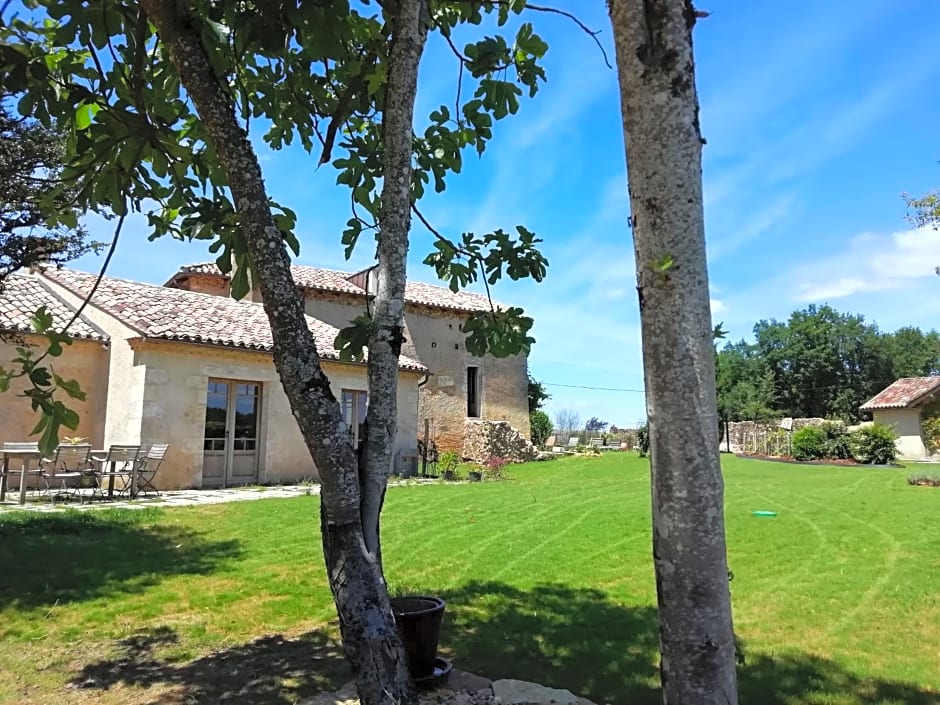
(904, 405)
(165, 365)
(459, 387)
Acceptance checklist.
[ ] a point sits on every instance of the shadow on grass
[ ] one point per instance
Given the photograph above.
(556, 635)
(273, 670)
(581, 640)
(75, 556)
(804, 679)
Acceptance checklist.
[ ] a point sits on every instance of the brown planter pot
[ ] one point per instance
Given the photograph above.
(418, 619)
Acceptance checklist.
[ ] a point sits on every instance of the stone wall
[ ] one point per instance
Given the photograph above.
(441, 346)
(203, 284)
(485, 439)
(85, 361)
(740, 430)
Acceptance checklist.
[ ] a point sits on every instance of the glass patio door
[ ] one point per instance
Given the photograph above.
(230, 441)
(355, 404)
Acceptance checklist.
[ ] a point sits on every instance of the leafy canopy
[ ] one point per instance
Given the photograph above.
(818, 363)
(314, 73)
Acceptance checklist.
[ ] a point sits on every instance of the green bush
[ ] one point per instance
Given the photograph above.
(540, 427)
(643, 439)
(809, 443)
(837, 441)
(874, 445)
(449, 461)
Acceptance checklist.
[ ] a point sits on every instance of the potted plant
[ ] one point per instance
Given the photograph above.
(476, 474)
(448, 464)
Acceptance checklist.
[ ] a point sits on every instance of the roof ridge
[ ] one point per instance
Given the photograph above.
(75, 309)
(24, 293)
(423, 293)
(440, 285)
(162, 287)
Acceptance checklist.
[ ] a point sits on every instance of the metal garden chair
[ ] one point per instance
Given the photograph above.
(65, 470)
(119, 463)
(148, 465)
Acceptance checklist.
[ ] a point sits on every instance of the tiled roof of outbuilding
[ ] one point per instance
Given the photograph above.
(904, 393)
(22, 295)
(336, 281)
(176, 314)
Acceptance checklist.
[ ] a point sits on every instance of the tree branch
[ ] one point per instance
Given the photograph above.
(489, 296)
(450, 42)
(593, 34)
(94, 288)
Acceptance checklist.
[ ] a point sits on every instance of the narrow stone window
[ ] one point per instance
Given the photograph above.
(473, 391)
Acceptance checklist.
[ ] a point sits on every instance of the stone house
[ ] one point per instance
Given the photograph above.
(903, 405)
(165, 365)
(460, 389)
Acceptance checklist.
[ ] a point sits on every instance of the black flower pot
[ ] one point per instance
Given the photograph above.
(419, 624)
(475, 476)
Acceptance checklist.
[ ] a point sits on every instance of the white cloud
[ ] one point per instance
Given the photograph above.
(887, 277)
(727, 234)
(717, 306)
(870, 263)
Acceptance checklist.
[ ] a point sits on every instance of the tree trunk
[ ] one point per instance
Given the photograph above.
(385, 342)
(366, 620)
(653, 40)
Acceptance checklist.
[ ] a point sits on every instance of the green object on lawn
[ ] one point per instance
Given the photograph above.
(764, 513)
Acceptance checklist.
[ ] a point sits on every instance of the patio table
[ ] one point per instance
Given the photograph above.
(26, 456)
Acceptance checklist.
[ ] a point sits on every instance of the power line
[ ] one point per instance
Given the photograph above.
(597, 389)
(781, 383)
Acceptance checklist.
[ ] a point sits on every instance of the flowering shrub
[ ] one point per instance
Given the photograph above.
(930, 430)
(494, 466)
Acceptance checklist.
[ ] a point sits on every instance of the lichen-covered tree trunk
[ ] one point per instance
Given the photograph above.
(366, 620)
(653, 41)
(385, 341)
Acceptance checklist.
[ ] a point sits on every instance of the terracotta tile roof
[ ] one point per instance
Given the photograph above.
(306, 277)
(176, 314)
(442, 297)
(201, 268)
(22, 295)
(902, 394)
(324, 279)
(333, 280)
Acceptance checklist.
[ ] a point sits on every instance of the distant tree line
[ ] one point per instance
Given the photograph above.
(819, 363)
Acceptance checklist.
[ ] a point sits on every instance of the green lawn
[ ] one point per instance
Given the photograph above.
(548, 577)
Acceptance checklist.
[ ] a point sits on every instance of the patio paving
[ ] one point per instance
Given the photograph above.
(181, 498)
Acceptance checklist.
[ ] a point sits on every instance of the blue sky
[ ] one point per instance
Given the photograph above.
(817, 115)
